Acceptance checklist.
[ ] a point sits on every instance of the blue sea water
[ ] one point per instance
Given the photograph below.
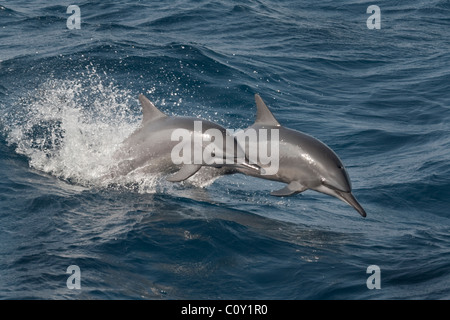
(380, 98)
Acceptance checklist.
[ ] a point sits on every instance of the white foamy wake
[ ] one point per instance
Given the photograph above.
(71, 128)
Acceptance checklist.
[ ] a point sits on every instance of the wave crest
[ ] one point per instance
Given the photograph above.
(71, 128)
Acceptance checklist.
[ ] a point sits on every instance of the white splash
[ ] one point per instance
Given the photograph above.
(71, 128)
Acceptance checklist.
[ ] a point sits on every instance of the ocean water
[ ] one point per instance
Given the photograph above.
(380, 98)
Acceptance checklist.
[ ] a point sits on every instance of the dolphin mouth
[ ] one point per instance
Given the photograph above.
(345, 196)
(244, 164)
(349, 198)
(250, 166)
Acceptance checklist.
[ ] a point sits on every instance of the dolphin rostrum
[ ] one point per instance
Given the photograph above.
(151, 147)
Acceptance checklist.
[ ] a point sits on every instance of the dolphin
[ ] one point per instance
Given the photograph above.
(150, 147)
(304, 162)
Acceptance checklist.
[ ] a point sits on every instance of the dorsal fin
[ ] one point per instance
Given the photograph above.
(149, 111)
(263, 114)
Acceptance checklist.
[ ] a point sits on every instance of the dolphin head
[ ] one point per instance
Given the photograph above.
(334, 180)
(238, 156)
(221, 149)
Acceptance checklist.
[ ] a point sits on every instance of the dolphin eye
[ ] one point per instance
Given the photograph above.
(340, 167)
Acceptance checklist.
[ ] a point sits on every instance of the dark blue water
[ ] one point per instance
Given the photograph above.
(379, 98)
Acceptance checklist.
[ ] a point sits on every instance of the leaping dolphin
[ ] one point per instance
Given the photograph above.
(304, 162)
(150, 147)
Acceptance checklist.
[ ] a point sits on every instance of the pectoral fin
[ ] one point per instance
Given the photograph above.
(185, 172)
(292, 188)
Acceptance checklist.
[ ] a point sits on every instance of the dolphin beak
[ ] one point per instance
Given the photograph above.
(252, 167)
(349, 198)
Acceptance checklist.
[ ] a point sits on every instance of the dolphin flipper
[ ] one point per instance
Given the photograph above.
(185, 172)
(292, 188)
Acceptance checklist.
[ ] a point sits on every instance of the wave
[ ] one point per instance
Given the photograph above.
(70, 128)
